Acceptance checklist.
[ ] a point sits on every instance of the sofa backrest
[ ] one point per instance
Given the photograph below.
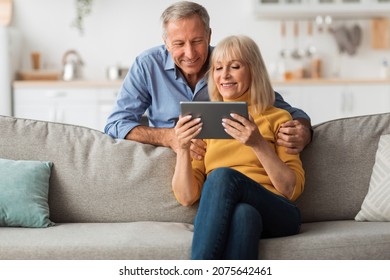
(338, 166)
(98, 179)
(95, 178)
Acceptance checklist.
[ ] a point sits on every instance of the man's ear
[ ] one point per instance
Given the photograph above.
(165, 42)
(210, 36)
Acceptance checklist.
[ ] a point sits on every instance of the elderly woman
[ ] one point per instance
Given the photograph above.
(246, 185)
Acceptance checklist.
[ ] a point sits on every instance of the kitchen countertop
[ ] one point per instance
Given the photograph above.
(118, 83)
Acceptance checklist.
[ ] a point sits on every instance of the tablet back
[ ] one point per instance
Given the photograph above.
(211, 113)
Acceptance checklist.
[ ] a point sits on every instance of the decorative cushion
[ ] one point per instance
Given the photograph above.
(24, 189)
(376, 204)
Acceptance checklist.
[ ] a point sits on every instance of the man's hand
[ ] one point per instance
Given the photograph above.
(198, 149)
(154, 136)
(294, 135)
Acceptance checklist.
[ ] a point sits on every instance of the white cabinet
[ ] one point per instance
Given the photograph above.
(105, 102)
(300, 9)
(323, 102)
(369, 99)
(86, 106)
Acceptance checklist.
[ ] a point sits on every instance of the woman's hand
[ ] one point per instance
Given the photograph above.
(187, 129)
(242, 129)
(247, 132)
(184, 185)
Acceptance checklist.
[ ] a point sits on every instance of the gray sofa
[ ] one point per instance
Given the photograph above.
(112, 199)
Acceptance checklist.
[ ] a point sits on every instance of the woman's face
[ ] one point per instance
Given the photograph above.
(232, 78)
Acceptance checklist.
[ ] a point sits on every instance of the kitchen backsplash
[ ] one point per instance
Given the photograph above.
(117, 31)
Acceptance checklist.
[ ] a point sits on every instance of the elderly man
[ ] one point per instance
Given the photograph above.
(163, 76)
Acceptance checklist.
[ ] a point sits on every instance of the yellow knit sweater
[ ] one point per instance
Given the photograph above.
(231, 153)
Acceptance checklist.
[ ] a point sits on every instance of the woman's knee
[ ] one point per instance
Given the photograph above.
(247, 217)
(219, 182)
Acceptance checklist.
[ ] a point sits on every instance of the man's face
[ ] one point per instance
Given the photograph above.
(188, 43)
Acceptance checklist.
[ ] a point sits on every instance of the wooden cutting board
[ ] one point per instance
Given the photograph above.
(42, 75)
(380, 33)
(5, 12)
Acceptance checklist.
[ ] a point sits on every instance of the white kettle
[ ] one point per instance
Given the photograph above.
(72, 66)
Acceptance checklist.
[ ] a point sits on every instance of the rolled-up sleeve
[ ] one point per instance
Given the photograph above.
(132, 102)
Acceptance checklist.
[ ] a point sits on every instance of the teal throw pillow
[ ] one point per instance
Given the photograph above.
(24, 190)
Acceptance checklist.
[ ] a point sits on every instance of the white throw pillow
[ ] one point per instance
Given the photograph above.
(376, 204)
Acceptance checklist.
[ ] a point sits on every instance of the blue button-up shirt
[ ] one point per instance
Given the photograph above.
(155, 86)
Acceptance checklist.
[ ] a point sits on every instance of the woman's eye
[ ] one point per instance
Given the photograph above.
(235, 66)
(218, 68)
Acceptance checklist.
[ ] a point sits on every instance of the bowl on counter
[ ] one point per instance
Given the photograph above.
(116, 73)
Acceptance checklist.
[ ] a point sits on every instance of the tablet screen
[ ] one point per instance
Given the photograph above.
(212, 114)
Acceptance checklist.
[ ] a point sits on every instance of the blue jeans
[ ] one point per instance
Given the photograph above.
(234, 213)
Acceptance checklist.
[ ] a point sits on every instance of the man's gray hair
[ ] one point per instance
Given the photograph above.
(182, 10)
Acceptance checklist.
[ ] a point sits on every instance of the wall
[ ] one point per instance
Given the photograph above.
(117, 30)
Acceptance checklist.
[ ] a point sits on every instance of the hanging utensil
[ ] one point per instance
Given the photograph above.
(319, 22)
(283, 51)
(356, 35)
(347, 39)
(310, 48)
(328, 22)
(297, 53)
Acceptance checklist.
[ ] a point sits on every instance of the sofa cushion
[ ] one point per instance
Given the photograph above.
(24, 189)
(103, 241)
(96, 178)
(338, 166)
(172, 241)
(331, 240)
(376, 204)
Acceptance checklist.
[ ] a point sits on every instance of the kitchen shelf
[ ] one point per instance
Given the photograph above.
(332, 81)
(309, 9)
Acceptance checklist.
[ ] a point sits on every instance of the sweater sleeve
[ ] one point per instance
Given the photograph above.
(199, 172)
(293, 161)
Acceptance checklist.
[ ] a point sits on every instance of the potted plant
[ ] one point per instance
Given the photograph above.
(83, 8)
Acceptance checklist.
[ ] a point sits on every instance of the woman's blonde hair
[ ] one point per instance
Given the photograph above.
(244, 49)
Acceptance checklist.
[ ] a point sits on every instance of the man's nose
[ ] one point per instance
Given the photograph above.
(189, 50)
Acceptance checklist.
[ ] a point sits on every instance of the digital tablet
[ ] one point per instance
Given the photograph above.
(212, 114)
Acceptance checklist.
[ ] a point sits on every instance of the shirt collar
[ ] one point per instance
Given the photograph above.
(169, 64)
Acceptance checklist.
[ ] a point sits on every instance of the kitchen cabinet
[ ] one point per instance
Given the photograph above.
(81, 104)
(309, 9)
(323, 102)
(105, 102)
